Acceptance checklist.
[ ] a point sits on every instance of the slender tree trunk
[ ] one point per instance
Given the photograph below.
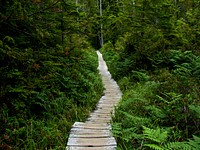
(101, 14)
(175, 2)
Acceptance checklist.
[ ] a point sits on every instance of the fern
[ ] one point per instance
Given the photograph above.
(196, 68)
(177, 146)
(155, 135)
(174, 98)
(195, 143)
(195, 109)
(183, 69)
(131, 133)
(155, 111)
(9, 39)
(135, 120)
(153, 146)
(158, 141)
(139, 76)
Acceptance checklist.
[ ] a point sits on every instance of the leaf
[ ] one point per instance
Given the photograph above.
(9, 39)
(177, 146)
(155, 135)
(153, 146)
(195, 143)
(195, 109)
(1, 43)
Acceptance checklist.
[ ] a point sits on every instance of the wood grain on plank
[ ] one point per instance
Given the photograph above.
(92, 142)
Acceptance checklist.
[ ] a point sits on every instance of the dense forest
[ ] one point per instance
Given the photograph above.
(48, 68)
(49, 76)
(153, 53)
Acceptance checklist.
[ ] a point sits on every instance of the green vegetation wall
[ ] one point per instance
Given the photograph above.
(48, 68)
(152, 50)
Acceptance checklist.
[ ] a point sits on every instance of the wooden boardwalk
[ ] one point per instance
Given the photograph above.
(95, 133)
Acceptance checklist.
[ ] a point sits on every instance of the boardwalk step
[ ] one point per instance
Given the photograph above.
(92, 142)
(91, 148)
(79, 131)
(91, 126)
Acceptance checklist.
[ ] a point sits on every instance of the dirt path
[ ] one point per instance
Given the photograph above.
(95, 134)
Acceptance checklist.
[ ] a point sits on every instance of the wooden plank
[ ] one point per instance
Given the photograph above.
(101, 115)
(94, 135)
(108, 102)
(111, 101)
(91, 126)
(91, 148)
(107, 106)
(103, 111)
(88, 131)
(92, 142)
(84, 123)
(100, 120)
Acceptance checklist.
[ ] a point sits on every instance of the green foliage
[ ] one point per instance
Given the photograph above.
(49, 76)
(155, 135)
(47, 69)
(195, 142)
(160, 138)
(155, 59)
(160, 107)
(57, 92)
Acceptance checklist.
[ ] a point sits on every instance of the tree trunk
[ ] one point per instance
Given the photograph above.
(101, 14)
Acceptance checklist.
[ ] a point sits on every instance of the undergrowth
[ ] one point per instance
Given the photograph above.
(159, 109)
(42, 97)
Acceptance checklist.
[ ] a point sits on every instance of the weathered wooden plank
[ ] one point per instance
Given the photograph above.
(108, 103)
(107, 106)
(91, 148)
(98, 120)
(91, 126)
(92, 142)
(89, 131)
(103, 111)
(93, 135)
(100, 115)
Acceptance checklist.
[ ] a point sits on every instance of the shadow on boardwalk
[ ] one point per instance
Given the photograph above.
(95, 134)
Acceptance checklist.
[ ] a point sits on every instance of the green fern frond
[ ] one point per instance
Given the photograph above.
(196, 69)
(155, 135)
(130, 133)
(9, 39)
(172, 96)
(140, 76)
(1, 43)
(177, 146)
(195, 143)
(153, 146)
(195, 109)
(155, 111)
(135, 119)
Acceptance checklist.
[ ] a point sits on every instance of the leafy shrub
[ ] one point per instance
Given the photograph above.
(47, 97)
(169, 105)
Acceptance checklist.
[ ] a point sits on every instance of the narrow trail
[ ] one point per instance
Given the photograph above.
(95, 134)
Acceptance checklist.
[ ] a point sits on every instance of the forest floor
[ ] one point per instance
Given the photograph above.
(94, 133)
